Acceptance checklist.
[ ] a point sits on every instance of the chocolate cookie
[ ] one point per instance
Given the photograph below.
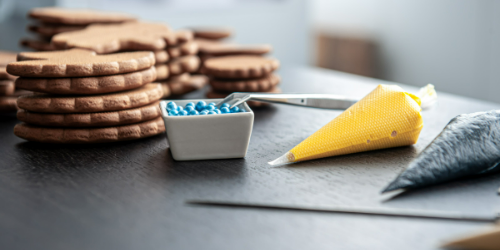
(88, 85)
(4, 75)
(245, 85)
(7, 87)
(183, 85)
(46, 103)
(77, 16)
(100, 119)
(8, 104)
(223, 49)
(118, 37)
(78, 63)
(239, 66)
(187, 48)
(49, 30)
(161, 56)
(90, 135)
(212, 94)
(177, 66)
(7, 57)
(211, 33)
(37, 45)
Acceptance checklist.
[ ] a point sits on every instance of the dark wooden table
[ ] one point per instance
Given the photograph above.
(132, 195)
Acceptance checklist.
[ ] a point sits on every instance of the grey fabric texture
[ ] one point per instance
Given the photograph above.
(468, 145)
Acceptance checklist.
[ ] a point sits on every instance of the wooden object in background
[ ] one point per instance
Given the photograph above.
(348, 53)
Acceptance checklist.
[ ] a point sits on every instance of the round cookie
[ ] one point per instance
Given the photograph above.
(88, 85)
(7, 57)
(187, 48)
(255, 104)
(239, 66)
(4, 75)
(223, 49)
(245, 85)
(177, 66)
(100, 119)
(46, 103)
(7, 87)
(90, 135)
(183, 85)
(211, 33)
(8, 104)
(77, 16)
(161, 56)
(78, 63)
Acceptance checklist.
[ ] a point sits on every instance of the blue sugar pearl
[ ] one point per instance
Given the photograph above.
(190, 104)
(235, 110)
(204, 112)
(225, 110)
(225, 105)
(243, 110)
(171, 105)
(173, 113)
(210, 108)
(200, 105)
(212, 104)
(211, 113)
(189, 108)
(183, 113)
(193, 112)
(180, 108)
(218, 111)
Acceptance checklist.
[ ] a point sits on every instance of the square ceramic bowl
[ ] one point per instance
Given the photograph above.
(205, 137)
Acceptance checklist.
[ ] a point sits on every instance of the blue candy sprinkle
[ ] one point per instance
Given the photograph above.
(212, 104)
(189, 108)
(225, 105)
(217, 111)
(212, 113)
(210, 108)
(171, 105)
(173, 113)
(225, 110)
(180, 108)
(190, 104)
(193, 112)
(204, 112)
(235, 110)
(243, 110)
(183, 113)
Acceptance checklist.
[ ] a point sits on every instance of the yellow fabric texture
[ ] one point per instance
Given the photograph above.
(387, 117)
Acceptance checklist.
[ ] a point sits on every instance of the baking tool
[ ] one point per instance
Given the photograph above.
(385, 118)
(467, 146)
(305, 100)
(203, 137)
(409, 213)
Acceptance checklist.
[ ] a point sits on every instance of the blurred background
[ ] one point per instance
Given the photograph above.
(450, 43)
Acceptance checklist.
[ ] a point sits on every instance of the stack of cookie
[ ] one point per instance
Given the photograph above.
(211, 44)
(87, 98)
(242, 73)
(52, 21)
(8, 91)
(175, 51)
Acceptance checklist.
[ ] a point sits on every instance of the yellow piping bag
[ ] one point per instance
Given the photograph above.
(385, 118)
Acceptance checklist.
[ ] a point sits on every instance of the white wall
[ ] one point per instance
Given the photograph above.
(453, 44)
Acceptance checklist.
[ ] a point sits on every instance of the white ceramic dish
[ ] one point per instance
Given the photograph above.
(205, 137)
